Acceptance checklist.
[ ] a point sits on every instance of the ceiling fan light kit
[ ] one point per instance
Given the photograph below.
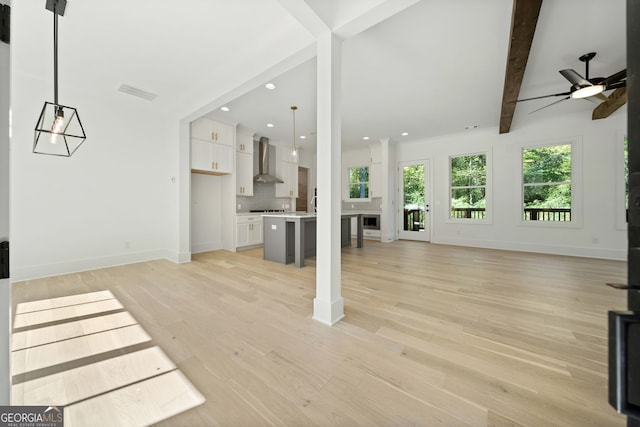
(59, 131)
(587, 91)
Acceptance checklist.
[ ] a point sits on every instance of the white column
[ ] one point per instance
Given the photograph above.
(389, 173)
(328, 306)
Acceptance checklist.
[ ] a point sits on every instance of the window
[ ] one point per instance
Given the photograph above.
(358, 182)
(468, 192)
(622, 180)
(626, 175)
(547, 183)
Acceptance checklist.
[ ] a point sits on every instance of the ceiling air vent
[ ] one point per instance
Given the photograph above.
(137, 92)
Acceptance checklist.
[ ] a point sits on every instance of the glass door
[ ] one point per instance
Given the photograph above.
(413, 215)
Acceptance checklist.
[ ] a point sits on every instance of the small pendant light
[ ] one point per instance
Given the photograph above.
(59, 131)
(294, 150)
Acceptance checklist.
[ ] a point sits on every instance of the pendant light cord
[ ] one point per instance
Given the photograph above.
(294, 108)
(55, 52)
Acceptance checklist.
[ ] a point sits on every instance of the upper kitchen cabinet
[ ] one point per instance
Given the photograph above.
(375, 171)
(244, 164)
(375, 180)
(211, 158)
(211, 130)
(244, 143)
(287, 170)
(211, 147)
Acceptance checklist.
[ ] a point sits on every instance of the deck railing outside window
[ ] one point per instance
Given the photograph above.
(530, 214)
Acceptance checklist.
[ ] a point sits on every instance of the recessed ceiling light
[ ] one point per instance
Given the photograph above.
(270, 86)
(269, 125)
(303, 137)
(224, 108)
(404, 133)
(468, 127)
(365, 137)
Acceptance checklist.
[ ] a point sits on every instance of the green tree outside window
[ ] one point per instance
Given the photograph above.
(468, 177)
(359, 182)
(546, 176)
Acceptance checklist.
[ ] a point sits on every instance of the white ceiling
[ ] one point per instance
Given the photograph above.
(431, 69)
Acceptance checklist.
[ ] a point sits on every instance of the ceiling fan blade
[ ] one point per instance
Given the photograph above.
(574, 77)
(549, 105)
(597, 99)
(615, 78)
(545, 96)
(616, 100)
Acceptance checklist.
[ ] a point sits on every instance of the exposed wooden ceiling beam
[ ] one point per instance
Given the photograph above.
(616, 100)
(523, 26)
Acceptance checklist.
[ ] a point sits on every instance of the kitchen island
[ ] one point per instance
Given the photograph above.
(291, 237)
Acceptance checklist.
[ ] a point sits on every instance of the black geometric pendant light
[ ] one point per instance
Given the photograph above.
(59, 131)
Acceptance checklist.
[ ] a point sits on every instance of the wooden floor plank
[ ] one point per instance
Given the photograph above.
(49, 303)
(74, 385)
(35, 318)
(67, 330)
(45, 356)
(140, 404)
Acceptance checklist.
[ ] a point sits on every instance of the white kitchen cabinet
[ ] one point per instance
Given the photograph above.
(210, 130)
(244, 174)
(375, 180)
(288, 172)
(211, 158)
(248, 230)
(244, 143)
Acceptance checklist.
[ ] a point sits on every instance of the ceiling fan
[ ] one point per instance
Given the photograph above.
(592, 89)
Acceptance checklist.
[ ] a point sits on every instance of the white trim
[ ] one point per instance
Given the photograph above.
(576, 183)
(612, 254)
(30, 272)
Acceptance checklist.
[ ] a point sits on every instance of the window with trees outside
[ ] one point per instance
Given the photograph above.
(547, 183)
(358, 182)
(468, 181)
(622, 180)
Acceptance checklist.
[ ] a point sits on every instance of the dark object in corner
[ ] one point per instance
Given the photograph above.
(4, 260)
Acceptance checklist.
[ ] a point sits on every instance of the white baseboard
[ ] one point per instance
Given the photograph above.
(197, 248)
(31, 272)
(602, 253)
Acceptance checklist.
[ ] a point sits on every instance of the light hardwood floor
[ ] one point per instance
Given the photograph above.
(433, 335)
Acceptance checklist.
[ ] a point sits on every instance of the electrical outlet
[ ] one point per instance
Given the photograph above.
(274, 227)
(239, 206)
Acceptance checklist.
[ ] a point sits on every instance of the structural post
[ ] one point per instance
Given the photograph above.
(328, 305)
(5, 284)
(633, 133)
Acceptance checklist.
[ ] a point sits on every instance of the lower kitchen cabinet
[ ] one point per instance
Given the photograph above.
(248, 230)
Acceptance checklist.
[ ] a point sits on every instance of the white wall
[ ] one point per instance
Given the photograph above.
(5, 289)
(596, 237)
(113, 202)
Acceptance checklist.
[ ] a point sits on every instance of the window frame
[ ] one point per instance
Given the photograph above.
(348, 184)
(488, 216)
(576, 183)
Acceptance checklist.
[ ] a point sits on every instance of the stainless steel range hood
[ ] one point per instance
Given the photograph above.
(263, 163)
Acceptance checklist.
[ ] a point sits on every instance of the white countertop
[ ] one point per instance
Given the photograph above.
(290, 214)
